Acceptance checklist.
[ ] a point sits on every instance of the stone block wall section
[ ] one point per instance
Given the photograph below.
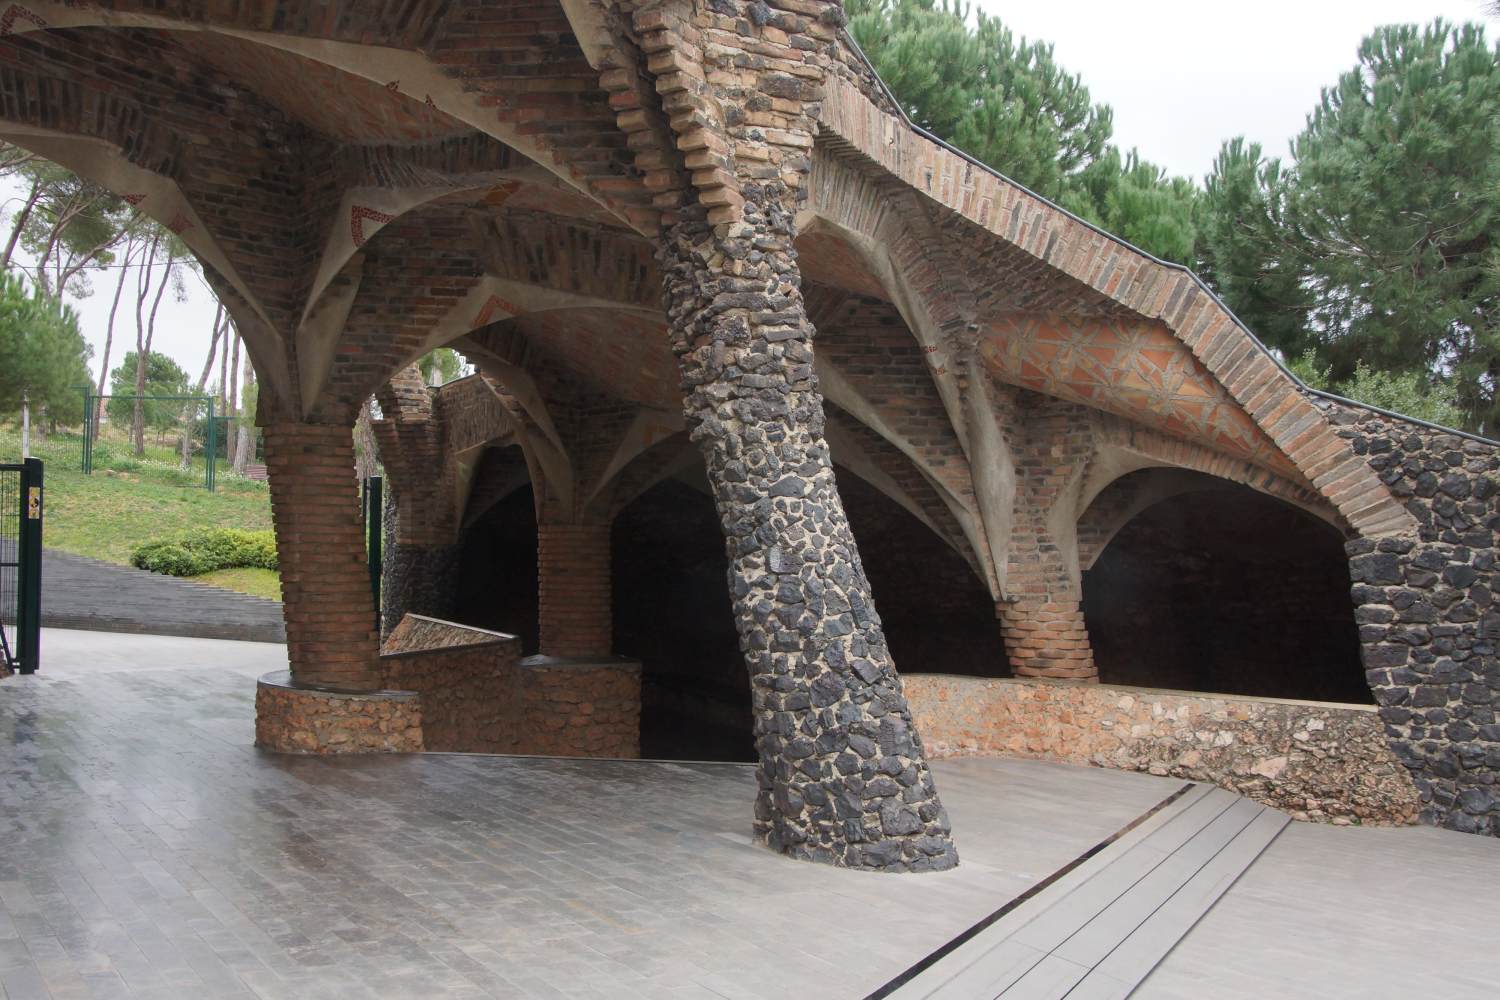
(1425, 605)
(325, 582)
(290, 718)
(479, 696)
(1314, 760)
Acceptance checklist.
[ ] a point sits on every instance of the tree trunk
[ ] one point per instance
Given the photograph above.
(25, 426)
(191, 406)
(143, 287)
(231, 442)
(244, 448)
(21, 219)
(109, 337)
(140, 378)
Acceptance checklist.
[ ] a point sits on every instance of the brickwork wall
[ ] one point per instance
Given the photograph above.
(573, 589)
(1316, 761)
(325, 581)
(1426, 612)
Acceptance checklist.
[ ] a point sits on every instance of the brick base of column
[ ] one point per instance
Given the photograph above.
(1047, 640)
(295, 718)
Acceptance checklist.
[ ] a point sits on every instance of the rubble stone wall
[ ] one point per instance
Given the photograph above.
(1315, 760)
(1426, 612)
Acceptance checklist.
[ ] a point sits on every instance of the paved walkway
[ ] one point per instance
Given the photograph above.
(83, 593)
(146, 849)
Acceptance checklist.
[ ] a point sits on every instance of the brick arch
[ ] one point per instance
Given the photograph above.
(339, 38)
(108, 154)
(1044, 238)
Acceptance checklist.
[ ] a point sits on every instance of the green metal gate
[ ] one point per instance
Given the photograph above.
(21, 565)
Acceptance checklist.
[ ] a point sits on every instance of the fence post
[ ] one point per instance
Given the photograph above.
(374, 533)
(29, 611)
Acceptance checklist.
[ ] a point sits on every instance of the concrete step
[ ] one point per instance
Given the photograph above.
(1099, 930)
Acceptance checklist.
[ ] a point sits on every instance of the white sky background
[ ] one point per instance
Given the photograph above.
(1181, 77)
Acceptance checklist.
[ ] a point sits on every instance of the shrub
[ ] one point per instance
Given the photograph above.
(208, 550)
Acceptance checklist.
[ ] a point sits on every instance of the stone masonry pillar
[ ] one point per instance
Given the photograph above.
(420, 579)
(842, 775)
(573, 589)
(325, 582)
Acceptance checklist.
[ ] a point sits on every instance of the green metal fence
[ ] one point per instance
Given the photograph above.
(93, 403)
(21, 565)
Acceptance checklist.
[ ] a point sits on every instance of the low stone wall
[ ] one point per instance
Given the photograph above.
(579, 708)
(1316, 761)
(294, 719)
(479, 696)
(465, 677)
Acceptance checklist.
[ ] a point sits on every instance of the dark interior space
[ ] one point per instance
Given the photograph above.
(1226, 591)
(937, 613)
(497, 570)
(672, 612)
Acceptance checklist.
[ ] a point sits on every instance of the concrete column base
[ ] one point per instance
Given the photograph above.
(586, 707)
(297, 718)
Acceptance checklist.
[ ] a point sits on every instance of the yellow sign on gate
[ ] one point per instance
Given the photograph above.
(34, 503)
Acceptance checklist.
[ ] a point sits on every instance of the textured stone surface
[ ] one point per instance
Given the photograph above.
(293, 719)
(1314, 760)
(417, 579)
(842, 775)
(479, 696)
(1426, 613)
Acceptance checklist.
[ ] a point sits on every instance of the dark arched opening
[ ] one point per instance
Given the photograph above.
(937, 614)
(498, 571)
(671, 610)
(1227, 591)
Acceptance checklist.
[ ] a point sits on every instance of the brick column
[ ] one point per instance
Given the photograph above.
(325, 581)
(573, 589)
(1047, 639)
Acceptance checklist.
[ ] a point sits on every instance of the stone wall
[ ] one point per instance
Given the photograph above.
(1316, 761)
(294, 719)
(1426, 612)
(466, 680)
(479, 696)
(573, 708)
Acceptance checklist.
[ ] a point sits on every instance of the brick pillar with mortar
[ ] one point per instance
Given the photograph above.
(325, 579)
(573, 589)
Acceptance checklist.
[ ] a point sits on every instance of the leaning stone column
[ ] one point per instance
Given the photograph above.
(415, 578)
(325, 581)
(842, 775)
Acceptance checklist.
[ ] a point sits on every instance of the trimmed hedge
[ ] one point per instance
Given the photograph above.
(208, 550)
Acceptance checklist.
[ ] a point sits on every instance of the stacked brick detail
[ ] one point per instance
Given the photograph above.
(1428, 621)
(1047, 639)
(325, 581)
(573, 589)
(1315, 760)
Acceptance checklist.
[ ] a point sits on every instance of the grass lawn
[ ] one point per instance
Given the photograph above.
(128, 502)
(255, 582)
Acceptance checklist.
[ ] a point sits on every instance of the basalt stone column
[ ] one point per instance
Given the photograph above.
(325, 581)
(573, 590)
(842, 774)
(415, 579)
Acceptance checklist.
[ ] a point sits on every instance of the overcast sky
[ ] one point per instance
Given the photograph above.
(1180, 76)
